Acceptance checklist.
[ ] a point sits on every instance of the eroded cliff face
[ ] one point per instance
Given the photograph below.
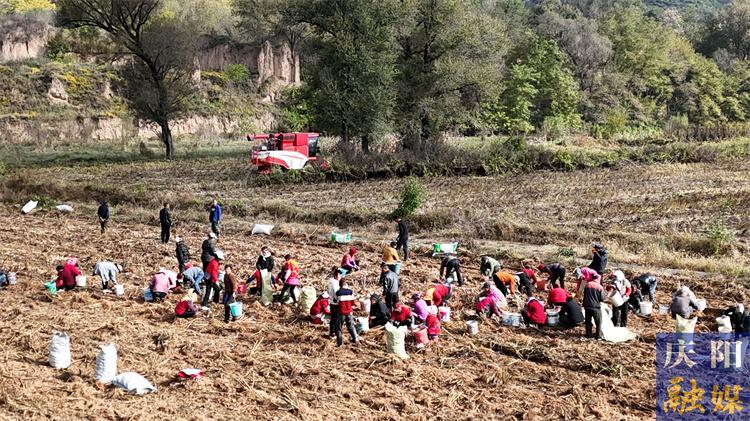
(26, 131)
(25, 37)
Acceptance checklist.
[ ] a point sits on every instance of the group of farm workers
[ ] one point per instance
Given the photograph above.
(337, 304)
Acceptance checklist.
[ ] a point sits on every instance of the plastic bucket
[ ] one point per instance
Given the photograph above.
(724, 322)
(617, 299)
(120, 289)
(365, 303)
(444, 313)
(51, 287)
(12, 278)
(80, 281)
(701, 304)
(235, 309)
(512, 319)
(148, 296)
(241, 288)
(420, 335)
(472, 327)
(663, 309)
(362, 325)
(397, 267)
(646, 308)
(553, 317)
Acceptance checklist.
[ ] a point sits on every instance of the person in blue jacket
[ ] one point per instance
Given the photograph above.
(214, 216)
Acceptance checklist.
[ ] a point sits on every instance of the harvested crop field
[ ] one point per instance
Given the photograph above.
(273, 364)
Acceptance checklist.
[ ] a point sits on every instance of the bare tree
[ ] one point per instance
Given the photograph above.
(158, 81)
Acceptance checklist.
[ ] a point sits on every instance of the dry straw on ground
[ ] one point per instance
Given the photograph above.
(272, 363)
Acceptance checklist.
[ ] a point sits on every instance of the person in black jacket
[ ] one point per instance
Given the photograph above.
(264, 262)
(182, 252)
(451, 265)
(556, 273)
(599, 260)
(593, 297)
(402, 241)
(571, 314)
(379, 313)
(103, 214)
(165, 219)
(208, 250)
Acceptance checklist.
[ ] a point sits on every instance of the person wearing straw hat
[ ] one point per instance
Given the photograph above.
(212, 280)
(107, 271)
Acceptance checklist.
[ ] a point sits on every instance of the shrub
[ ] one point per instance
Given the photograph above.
(413, 195)
(719, 233)
(238, 74)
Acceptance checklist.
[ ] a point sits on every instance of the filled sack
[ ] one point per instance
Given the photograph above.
(134, 383)
(262, 229)
(342, 238)
(266, 294)
(307, 299)
(683, 325)
(395, 340)
(444, 248)
(59, 350)
(29, 206)
(105, 368)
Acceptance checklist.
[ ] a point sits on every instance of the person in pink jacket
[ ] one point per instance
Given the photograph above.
(159, 286)
(348, 263)
(584, 275)
(290, 275)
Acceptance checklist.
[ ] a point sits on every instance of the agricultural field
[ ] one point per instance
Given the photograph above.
(684, 222)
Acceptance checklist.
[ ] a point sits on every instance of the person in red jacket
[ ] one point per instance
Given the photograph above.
(68, 274)
(557, 296)
(433, 326)
(212, 280)
(529, 271)
(346, 299)
(441, 293)
(185, 309)
(534, 312)
(320, 308)
(401, 315)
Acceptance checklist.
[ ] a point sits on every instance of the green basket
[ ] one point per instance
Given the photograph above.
(444, 248)
(51, 287)
(341, 238)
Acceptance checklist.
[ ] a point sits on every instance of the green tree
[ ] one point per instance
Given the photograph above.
(449, 60)
(353, 78)
(158, 79)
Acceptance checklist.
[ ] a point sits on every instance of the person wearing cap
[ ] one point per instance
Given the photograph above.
(593, 297)
(419, 306)
(290, 276)
(556, 273)
(620, 285)
(182, 252)
(390, 256)
(334, 283)
(214, 216)
(533, 312)
(230, 289)
(165, 220)
(599, 258)
(450, 266)
(108, 272)
(348, 263)
(488, 266)
(584, 275)
(379, 313)
(346, 300)
(401, 315)
(212, 279)
(557, 295)
(193, 276)
(208, 250)
(389, 282)
(320, 308)
(159, 286)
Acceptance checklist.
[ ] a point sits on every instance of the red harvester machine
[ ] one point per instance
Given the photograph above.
(290, 151)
